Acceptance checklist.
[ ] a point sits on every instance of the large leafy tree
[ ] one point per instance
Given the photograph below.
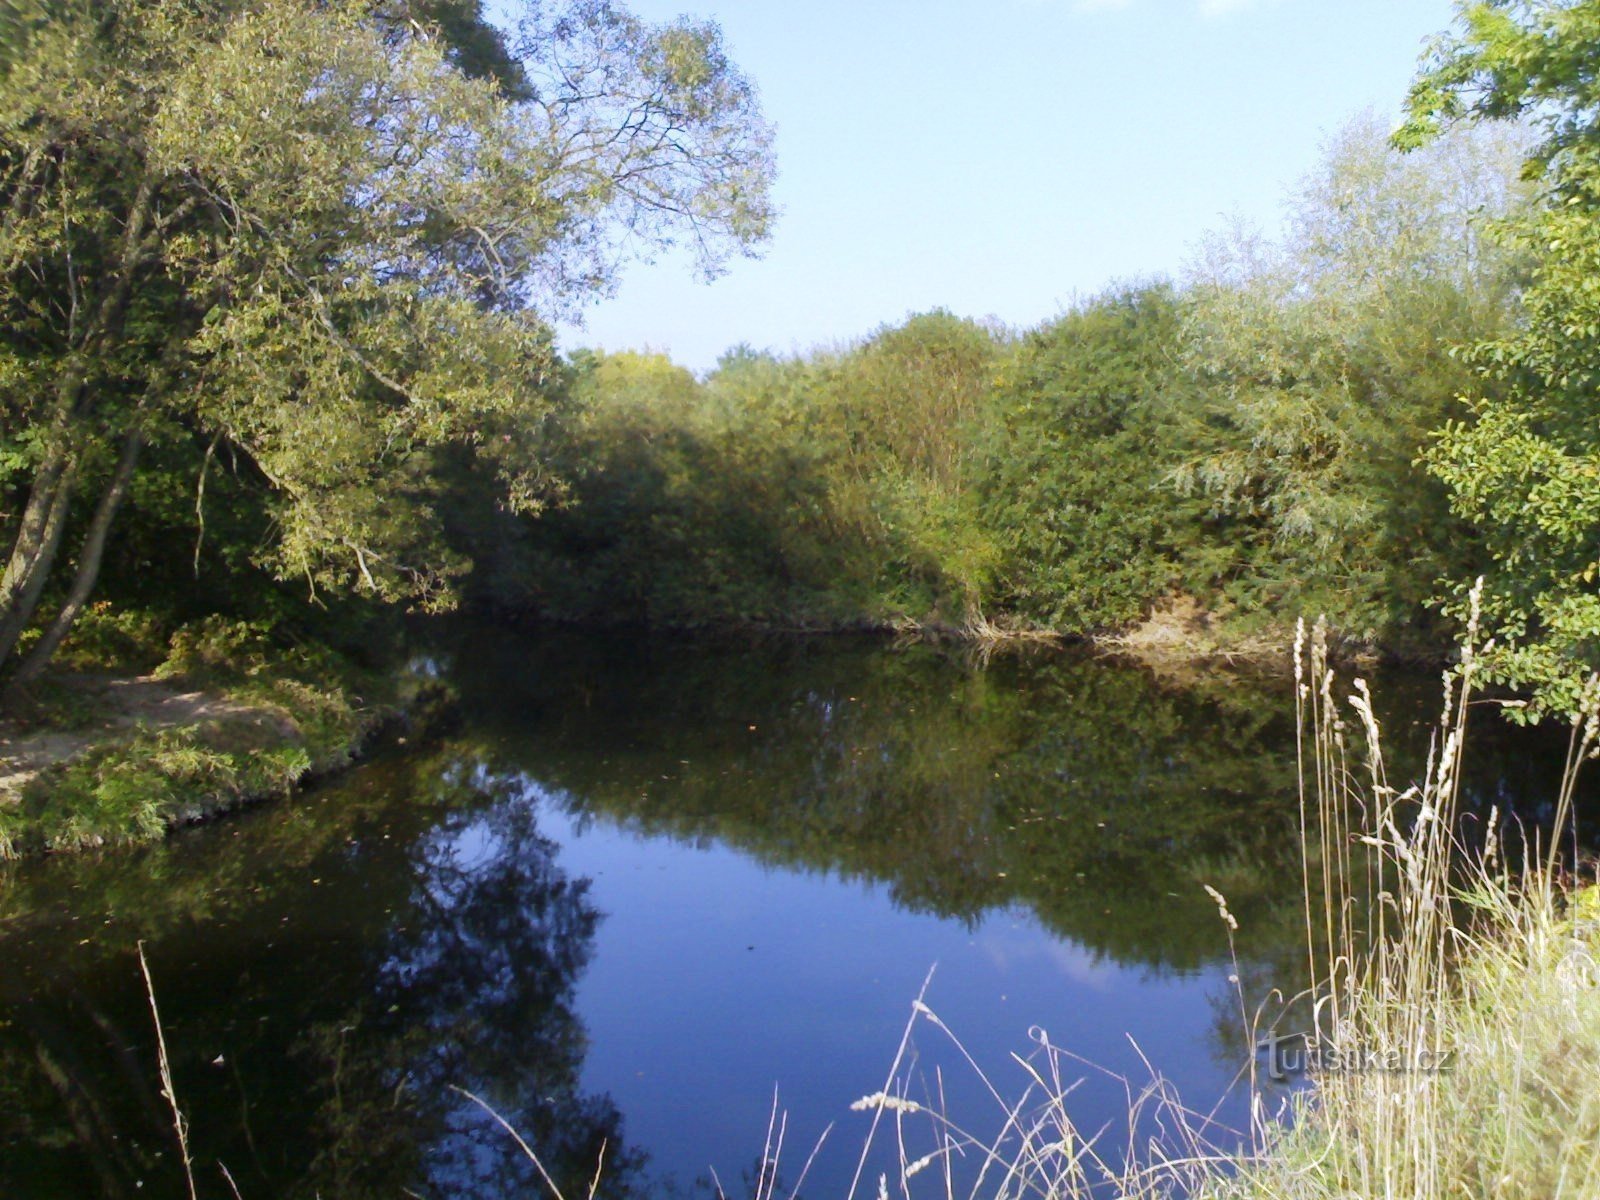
(1524, 463)
(324, 241)
(1326, 358)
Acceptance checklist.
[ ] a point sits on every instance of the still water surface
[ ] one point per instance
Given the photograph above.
(646, 883)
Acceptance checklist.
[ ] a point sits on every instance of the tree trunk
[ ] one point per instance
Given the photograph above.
(30, 533)
(89, 559)
(36, 571)
(38, 537)
(32, 548)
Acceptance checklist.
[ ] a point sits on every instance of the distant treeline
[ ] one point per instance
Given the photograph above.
(1245, 440)
(277, 291)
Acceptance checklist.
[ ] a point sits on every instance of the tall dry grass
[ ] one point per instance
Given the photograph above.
(1453, 1039)
(1461, 978)
(1455, 1007)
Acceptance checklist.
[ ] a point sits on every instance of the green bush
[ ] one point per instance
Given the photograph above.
(820, 491)
(108, 635)
(1091, 412)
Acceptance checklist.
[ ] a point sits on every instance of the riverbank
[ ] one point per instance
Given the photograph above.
(200, 753)
(99, 758)
(224, 717)
(1177, 637)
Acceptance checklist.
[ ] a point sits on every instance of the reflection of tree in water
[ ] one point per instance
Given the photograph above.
(446, 960)
(474, 991)
(410, 929)
(1085, 789)
(1072, 786)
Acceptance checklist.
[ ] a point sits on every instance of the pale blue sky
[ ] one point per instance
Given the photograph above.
(1001, 158)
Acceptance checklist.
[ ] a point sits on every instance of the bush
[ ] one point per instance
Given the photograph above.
(110, 636)
(1091, 410)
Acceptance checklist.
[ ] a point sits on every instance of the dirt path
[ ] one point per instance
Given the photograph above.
(121, 704)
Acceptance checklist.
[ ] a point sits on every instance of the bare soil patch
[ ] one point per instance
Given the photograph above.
(120, 705)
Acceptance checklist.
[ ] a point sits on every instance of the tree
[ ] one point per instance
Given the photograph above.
(325, 241)
(901, 412)
(1087, 410)
(1524, 462)
(1326, 355)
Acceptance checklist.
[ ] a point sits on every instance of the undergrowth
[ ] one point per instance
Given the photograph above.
(284, 713)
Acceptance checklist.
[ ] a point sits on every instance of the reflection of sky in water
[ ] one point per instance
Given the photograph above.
(716, 979)
(770, 833)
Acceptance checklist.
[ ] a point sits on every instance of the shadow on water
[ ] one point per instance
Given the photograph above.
(324, 979)
(328, 968)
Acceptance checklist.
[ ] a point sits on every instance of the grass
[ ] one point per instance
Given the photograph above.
(1462, 979)
(1437, 950)
(291, 713)
(133, 789)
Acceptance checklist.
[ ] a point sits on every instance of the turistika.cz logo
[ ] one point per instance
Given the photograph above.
(1290, 1055)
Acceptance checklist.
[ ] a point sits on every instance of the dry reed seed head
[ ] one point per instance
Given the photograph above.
(883, 1101)
(1362, 703)
(1222, 906)
(1589, 713)
(1447, 761)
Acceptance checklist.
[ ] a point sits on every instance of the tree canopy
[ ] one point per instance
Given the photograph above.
(1523, 462)
(324, 242)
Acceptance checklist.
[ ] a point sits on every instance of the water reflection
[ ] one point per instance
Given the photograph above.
(319, 1015)
(781, 835)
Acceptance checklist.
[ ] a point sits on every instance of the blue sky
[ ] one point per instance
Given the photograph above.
(1001, 158)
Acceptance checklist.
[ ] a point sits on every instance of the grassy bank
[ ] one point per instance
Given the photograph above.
(1469, 970)
(226, 718)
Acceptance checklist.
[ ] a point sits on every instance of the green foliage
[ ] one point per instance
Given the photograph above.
(826, 490)
(1523, 463)
(278, 712)
(1327, 362)
(326, 241)
(671, 511)
(332, 344)
(110, 636)
(1090, 410)
(1249, 440)
(217, 647)
(317, 689)
(898, 417)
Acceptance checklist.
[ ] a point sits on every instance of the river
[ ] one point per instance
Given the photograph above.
(648, 885)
